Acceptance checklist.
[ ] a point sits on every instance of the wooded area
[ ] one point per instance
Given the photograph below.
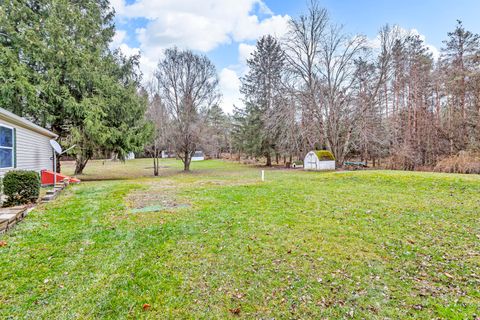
(388, 100)
(384, 100)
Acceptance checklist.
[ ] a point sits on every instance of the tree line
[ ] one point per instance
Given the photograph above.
(318, 87)
(386, 100)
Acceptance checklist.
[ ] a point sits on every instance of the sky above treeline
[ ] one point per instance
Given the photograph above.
(226, 30)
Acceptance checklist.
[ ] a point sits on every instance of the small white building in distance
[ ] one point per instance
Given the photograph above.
(319, 160)
(167, 154)
(198, 156)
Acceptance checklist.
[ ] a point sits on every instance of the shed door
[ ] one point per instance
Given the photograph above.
(312, 161)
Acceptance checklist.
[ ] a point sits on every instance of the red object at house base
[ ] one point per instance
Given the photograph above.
(47, 178)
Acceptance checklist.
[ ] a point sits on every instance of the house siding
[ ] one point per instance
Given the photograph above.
(33, 151)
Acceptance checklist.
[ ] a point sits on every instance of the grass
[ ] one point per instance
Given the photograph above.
(218, 243)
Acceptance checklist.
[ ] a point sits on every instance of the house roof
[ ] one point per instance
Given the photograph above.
(22, 122)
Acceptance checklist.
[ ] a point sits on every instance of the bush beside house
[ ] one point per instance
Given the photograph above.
(21, 187)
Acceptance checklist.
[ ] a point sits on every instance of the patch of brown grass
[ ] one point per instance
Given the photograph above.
(464, 162)
(153, 193)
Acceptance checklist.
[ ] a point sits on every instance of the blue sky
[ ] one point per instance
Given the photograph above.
(225, 30)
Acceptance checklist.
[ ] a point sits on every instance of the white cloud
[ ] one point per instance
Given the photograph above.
(251, 28)
(197, 33)
(118, 42)
(230, 78)
(126, 50)
(244, 52)
(229, 86)
(198, 25)
(118, 5)
(119, 37)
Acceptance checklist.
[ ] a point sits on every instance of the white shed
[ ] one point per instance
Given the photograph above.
(319, 160)
(23, 144)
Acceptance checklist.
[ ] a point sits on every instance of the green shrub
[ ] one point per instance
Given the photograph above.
(298, 162)
(324, 155)
(21, 187)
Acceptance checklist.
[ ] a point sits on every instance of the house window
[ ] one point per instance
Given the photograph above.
(6, 147)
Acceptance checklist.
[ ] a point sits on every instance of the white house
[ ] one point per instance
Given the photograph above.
(23, 144)
(198, 156)
(319, 160)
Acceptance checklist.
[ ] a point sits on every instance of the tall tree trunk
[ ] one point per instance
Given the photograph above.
(80, 164)
(186, 161)
(155, 162)
(269, 159)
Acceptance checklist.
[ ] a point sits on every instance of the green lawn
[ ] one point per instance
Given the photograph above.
(219, 243)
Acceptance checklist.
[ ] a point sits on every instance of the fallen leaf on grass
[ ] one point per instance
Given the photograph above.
(146, 306)
(238, 295)
(235, 311)
(3, 243)
(448, 275)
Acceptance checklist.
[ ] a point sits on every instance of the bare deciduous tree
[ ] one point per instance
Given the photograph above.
(188, 86)
(303, 47)
(158, 115)
(337, 68)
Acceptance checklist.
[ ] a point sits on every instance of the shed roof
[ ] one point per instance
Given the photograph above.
(14, 119)
(324, 155)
